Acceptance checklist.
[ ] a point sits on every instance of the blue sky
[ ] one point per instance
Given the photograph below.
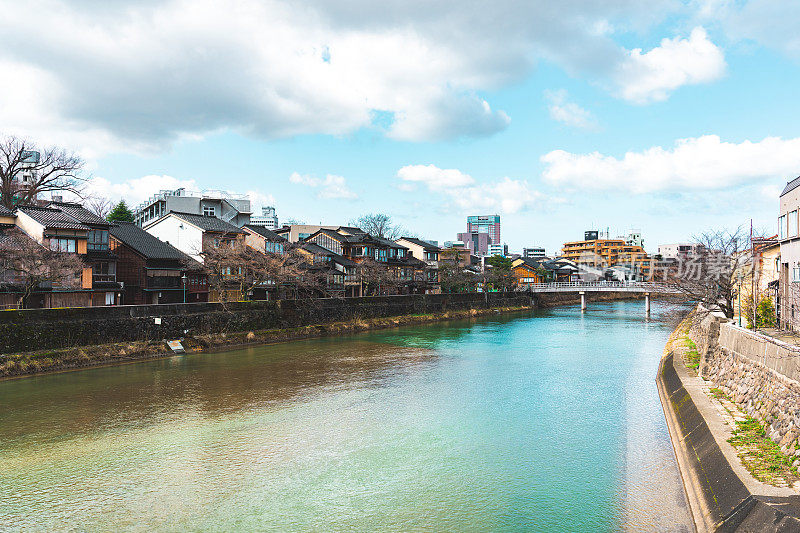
(670, 117)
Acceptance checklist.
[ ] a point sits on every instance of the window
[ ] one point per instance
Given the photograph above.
(209, 211)
(796, 273)
(104, 271)
(401, 253)
(98, 240)
(782, 227)
(792, 224)
(64, 245)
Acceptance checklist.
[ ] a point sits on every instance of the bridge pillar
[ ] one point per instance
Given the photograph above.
(583, 301)
(647, 303)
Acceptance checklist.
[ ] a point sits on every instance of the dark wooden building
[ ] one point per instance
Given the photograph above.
(153, 271)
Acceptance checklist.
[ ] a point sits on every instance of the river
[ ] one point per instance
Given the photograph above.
(541, 421)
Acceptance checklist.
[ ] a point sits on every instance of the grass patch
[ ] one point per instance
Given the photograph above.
(692, 357)
(718, 394)
(762, 457)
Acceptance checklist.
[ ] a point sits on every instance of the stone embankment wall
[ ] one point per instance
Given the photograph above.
(759, 373)
(43, 329)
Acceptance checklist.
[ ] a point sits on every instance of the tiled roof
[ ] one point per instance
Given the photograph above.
(387, 242)
(207, 223)
(52, 218)
(792, 185)
(315, 249)
(352, 230)
(420, 242)
(142, 242)
(266, 233)
(79, 213)
(333, 234)
(6, 212)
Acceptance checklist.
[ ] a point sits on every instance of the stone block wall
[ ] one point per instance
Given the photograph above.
(758, 373)
(43, 329)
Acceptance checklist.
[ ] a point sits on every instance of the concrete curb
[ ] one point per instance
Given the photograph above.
(720, 497)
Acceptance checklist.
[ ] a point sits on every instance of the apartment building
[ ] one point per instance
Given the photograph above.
(601, 253)
(229, 207)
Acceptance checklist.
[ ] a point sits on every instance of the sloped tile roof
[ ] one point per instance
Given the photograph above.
(142, 242)
(420, 242)
(52, 218)
(207, 223)
(79, 213)
(6, 212)
(792, 185)
(266, 233)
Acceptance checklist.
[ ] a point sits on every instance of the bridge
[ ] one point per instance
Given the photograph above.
(582, 287)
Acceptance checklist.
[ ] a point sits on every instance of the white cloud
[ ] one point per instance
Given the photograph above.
(136, 190)
(434, 177)
(700, 163)
(769, 22)
(259, 200)
(122, 76)
(506, 195)
(652, 76)
(329, 187)
(569, 113)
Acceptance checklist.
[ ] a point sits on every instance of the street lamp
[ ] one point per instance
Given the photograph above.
(184, 286)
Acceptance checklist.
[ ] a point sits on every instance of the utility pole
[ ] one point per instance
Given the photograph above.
(753, 272)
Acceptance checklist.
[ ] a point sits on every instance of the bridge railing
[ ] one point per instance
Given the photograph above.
(645, 286)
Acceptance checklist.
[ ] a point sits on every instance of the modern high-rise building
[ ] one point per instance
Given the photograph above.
(268, 219)
(477, 242)
(485, 224)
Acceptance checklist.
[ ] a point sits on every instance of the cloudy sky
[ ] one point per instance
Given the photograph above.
(667, 116)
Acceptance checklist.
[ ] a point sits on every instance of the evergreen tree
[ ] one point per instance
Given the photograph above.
(120, 213)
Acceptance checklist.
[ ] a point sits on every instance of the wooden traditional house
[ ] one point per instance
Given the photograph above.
(408, 273)
(429, 254)
(69, 228)
(153, 271)
(339, 274)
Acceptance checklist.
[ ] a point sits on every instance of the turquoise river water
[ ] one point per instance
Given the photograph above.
(545, 421)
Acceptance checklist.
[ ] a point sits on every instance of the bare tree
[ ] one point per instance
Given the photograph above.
(27, 171)
(376, 278)
(98, 205)
(453, 276)
(243, 269)
(379, 225)
(713, 273)
(27, 265)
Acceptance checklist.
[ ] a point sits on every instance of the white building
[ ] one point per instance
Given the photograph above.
(193, 234)
(228, 207)
(533, 252)
(268, 219)
(676, 250)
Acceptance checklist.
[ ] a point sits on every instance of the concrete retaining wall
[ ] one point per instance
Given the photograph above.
(718, 498)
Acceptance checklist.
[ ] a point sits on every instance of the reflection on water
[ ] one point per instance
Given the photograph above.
(548, 422)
